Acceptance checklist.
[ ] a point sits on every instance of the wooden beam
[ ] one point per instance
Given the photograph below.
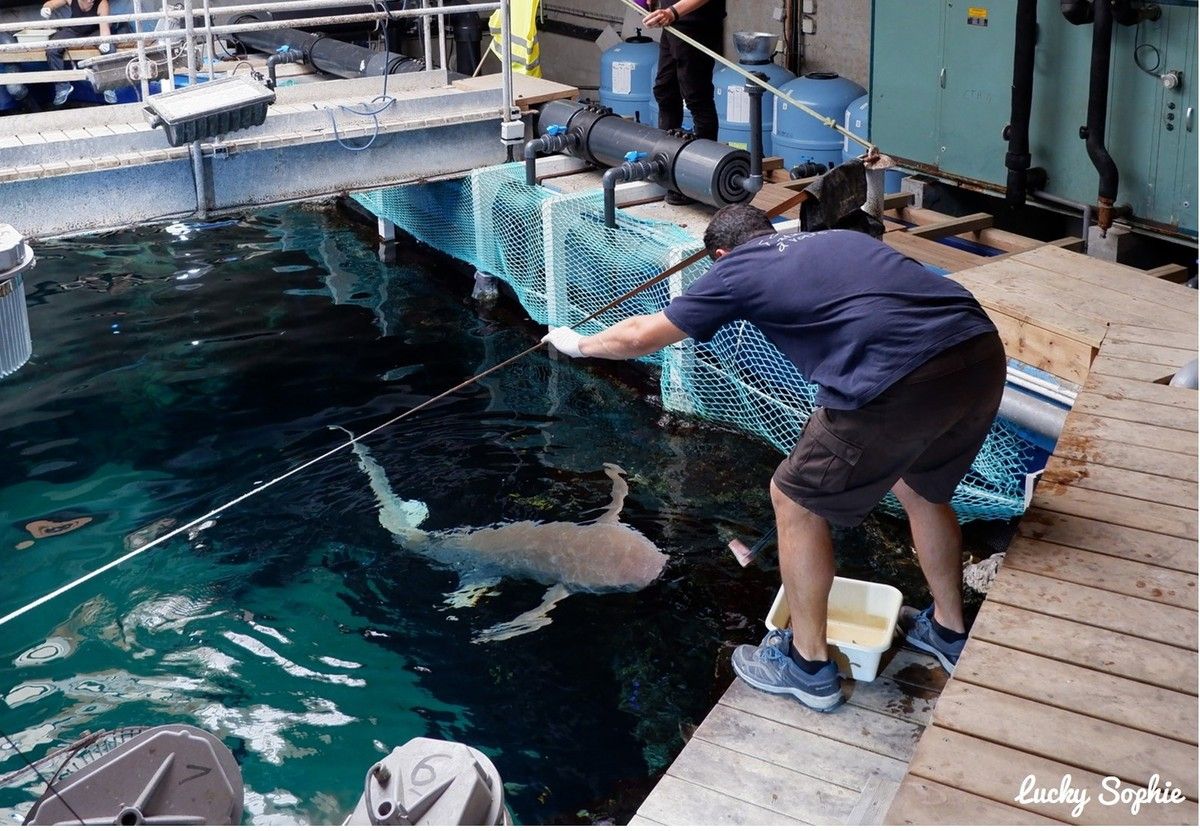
(894, 201)
(44, 76)
(953, 227)
(1171, 272)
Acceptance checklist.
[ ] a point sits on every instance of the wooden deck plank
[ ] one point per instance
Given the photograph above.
(796, 749)
(1132, 370)
(921, 801)
(996, 772)
(1122, 389)
(1118, 510)
(1156, 710)
(745, 778)
(1116, 653)
(1073, 739)
(677, 802)
(1104, 538)
(914, 672)
(1052, 293)
(1102, 571)
(1089, 426)
(1119, 454)
(1058, 354)
(873, 802)
(1117, 278)
(1041, 312)
(1128, 333)
(1176, 492)
(1135, 412)
(886, 695)
(854, 726)
(1096, 607)
(1150, 353)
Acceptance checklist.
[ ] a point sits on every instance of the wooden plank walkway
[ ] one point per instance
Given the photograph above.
(766, 760)
(1082, 661)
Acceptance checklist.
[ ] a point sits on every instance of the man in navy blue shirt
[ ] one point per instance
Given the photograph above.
(910, 372)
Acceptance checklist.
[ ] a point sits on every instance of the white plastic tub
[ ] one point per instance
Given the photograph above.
(862, 620)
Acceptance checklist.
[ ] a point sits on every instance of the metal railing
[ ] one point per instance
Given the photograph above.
(187, 36)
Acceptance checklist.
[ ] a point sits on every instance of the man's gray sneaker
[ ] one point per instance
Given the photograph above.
(769, 667)
(922, 635)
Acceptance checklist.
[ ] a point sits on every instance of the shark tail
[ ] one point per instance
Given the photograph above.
(402, 517)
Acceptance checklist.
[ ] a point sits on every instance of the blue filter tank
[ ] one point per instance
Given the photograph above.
(733, 103)
(858, 121)
(627, 78)
(797, 136)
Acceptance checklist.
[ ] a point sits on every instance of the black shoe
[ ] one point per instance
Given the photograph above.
(674, 197)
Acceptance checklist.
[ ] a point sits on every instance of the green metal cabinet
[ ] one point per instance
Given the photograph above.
(941, 79)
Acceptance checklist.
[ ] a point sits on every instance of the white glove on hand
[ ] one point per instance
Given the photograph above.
(565, 340)
(47, 12)
(105, 48)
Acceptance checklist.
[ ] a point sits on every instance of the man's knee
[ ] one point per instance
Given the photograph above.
(786, 506)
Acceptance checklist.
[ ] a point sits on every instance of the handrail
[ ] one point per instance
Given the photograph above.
(189, 36)
(283, 6)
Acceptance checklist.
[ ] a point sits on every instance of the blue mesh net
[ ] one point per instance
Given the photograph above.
(554, 251)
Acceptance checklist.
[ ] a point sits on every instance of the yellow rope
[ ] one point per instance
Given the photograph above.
(831, 123)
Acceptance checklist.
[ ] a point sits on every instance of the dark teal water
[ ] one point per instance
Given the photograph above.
(175, 367)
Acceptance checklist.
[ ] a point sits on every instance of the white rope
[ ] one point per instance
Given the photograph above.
(11, 616)
(831, 123)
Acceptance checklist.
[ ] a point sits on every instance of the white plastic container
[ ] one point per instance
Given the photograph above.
(862, 621)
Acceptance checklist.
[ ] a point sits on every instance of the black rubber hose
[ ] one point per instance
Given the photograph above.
(1097, 113)
(1078, 12)
(1017, 160)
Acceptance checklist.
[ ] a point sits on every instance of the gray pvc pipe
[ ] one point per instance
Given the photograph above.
(1032, 413)
(1186, 376)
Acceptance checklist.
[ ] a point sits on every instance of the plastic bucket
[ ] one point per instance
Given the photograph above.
(862, 622)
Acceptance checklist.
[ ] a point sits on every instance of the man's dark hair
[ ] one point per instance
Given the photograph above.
(733, 225)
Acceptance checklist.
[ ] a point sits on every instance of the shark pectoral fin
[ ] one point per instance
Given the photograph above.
(470, 593)
(531, 621)
(620, 490)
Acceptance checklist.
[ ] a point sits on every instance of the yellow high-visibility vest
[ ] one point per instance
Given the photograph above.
(526, 56)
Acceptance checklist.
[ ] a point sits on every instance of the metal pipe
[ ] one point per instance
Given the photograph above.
(508, 105)
(198, 176)
(284, 5)
(167, 45)
(175, 34)
(209, 42)
(189, 23)
(1018, 159)
(1097, 114)
(141, 53)
(441, 19)
(426, 37)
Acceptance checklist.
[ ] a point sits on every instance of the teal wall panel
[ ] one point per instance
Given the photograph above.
(941, 87)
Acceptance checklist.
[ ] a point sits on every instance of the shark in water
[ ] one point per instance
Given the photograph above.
(601, 555)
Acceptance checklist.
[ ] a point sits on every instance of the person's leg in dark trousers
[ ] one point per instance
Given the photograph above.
(695, 71)
(666, 85)
(54, 55)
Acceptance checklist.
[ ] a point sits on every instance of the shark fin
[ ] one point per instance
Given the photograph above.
(620, 490)
(403, 517)
(470, 593)
(531, 621)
